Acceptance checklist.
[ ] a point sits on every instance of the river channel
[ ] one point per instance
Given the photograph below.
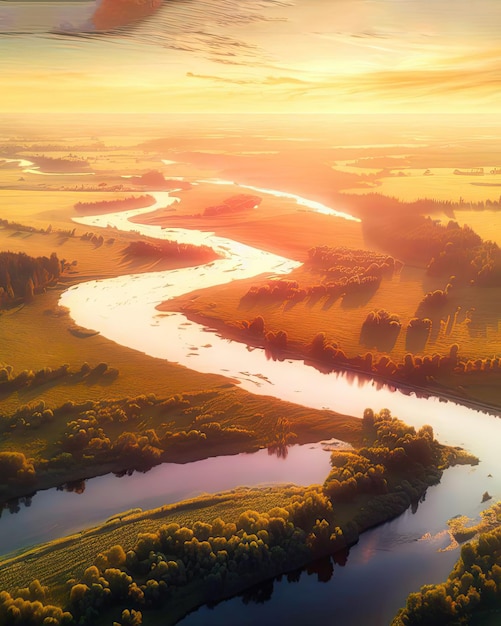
(389, 561)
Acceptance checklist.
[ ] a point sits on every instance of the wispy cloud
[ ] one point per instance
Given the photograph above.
(268, 80)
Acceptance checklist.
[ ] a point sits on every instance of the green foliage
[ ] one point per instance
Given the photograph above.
(473, 586)
(14, 467)
(24, 612)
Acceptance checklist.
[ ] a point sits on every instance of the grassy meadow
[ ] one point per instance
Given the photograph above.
(342, 320)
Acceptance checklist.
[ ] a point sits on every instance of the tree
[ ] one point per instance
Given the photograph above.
(368, 418)
(130, 618)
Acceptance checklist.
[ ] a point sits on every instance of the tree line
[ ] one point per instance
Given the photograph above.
(345, 272)
(29, 379)
(235, 204)
(23, 276)
(415, 238)
(120, 204)
(170, 250)
(379, 330)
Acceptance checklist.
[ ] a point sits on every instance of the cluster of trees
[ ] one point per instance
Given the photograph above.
(434, 300)
(97, 430)
(235, 204)
(222, 554)
(16, 611)
(87, 437)
(97, 240)
(415, 238)
(418, 333)
(277, 291)
(120, 204)
(473, 587)
(16, 468)
(346, 272)
(342, 261)
(394, 449)
(69, 163)
(157, 180)
(477, 265)
(23, 276)
(288, 291)
(170, 250)
(380, 329)
(9, 381)
(445, 249)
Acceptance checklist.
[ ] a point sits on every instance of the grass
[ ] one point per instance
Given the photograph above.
(302, 321)
(36, 336)
(57, 561)
(299, 228)
(342, 322)
(486, 223)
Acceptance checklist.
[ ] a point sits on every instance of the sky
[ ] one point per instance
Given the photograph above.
(259, 56)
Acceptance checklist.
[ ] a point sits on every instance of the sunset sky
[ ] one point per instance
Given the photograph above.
(306, 56)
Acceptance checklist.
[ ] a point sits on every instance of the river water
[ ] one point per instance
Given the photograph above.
(389, 561)
(58, 512)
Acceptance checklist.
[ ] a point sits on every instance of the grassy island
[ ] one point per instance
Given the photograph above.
(163, 563)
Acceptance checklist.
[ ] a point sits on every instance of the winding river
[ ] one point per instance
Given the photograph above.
(389, 561)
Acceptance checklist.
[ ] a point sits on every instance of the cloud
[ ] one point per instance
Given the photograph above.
(200, 28)
(268, 80)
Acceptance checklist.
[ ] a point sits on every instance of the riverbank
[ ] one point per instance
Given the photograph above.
(455, 390)
(239, 431)
(470, 595)
(287, 526)
(136, 373)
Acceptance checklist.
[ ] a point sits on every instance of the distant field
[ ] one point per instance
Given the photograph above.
(441, 185)
(486, 223)
(41, 208)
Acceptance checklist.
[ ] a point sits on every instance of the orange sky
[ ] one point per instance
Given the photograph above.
(269, 56)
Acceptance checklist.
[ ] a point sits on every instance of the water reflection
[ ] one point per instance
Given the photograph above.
(365, 584)
(81, 504)
(73, 486)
